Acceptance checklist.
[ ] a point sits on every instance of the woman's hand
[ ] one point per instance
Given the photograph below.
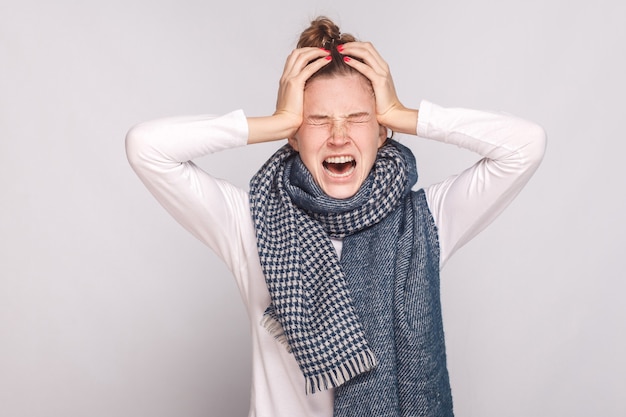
(286, 120)
(390, 112)
(298, 69)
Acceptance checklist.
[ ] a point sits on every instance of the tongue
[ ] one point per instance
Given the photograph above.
(339, 168)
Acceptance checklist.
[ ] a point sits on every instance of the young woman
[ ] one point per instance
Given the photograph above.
(337, 259)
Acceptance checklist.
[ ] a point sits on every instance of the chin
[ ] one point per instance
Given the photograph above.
(340, 193)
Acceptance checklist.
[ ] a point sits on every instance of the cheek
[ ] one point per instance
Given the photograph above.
(307, 154)
(309, 140)
(372, 137)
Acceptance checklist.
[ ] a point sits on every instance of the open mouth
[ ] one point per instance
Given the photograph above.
(339, 166)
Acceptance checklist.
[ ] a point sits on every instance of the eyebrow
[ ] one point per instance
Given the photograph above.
(349, 116)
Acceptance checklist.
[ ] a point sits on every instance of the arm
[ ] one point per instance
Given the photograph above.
(161, 151)
(213, 210)
(300, 65)
(464, 204)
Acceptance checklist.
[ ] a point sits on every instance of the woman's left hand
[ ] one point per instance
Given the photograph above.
(391, 113)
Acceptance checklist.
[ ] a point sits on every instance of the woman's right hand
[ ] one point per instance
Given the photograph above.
(301, 64)
(391, 113)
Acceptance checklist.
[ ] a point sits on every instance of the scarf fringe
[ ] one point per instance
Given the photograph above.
(289, 210)
(275, 329)
(363, 362)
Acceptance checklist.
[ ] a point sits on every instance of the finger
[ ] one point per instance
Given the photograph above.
(300, 58)
(368, 53)
(301, 64)
(373, 66)
(314, 66)
(362, 67)
(379, 78)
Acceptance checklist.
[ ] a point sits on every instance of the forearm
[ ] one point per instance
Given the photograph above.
(270, 128)
(466, 203)
(161, 151)
(404, 121)
(501, 138)
(164, 143)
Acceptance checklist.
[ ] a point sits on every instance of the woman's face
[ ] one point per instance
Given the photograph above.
(339, 136)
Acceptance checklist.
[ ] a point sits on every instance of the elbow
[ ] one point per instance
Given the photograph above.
(532, 140)
(538, 142)
(136, 142)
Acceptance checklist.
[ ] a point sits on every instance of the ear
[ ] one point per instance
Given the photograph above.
(293, 141)
(382, 135)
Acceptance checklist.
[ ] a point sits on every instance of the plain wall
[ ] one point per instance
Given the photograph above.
(109, 308)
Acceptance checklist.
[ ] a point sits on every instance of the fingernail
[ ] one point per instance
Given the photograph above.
(328, 58)
(340, 48)
(347, 58)
(325, 50)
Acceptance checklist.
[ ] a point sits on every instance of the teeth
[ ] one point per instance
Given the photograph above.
(345, 174)
(338, 159)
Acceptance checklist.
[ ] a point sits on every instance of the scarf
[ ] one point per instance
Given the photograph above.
(346, 321)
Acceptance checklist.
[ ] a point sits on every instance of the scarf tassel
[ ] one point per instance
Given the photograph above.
(274, 328)
(364, 361)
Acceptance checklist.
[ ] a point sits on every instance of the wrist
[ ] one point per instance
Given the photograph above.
(270, 128)
(401, 120)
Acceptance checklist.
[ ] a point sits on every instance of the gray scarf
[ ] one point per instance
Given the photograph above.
(348, 322)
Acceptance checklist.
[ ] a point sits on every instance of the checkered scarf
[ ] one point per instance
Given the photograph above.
(311, 308)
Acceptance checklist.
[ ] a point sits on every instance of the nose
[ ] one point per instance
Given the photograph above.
(339, 134)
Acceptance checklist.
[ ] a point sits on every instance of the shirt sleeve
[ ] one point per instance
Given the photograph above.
(213, 210)
(466, 203)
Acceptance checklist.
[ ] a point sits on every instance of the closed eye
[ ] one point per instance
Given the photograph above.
(318, 121)
(354, 118)
(359, 118)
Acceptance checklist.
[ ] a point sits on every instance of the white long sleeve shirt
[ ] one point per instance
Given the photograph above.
(218, 213)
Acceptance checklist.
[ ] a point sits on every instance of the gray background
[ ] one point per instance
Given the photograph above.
(109, 308)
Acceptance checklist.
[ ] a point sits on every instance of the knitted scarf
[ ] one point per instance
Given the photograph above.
(369, 324)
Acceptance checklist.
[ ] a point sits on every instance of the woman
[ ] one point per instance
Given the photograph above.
(336, 258)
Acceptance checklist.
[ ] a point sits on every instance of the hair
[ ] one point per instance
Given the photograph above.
(324, 33)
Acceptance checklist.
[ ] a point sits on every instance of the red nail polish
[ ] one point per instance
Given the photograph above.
(347, 58)
(325, 50)
(328, 58)
(339, 48)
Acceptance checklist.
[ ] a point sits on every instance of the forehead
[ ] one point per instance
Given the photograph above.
(338, 96)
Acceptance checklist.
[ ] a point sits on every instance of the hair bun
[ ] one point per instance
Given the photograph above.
(323, 33)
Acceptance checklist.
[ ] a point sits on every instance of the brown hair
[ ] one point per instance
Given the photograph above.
(324, 33)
